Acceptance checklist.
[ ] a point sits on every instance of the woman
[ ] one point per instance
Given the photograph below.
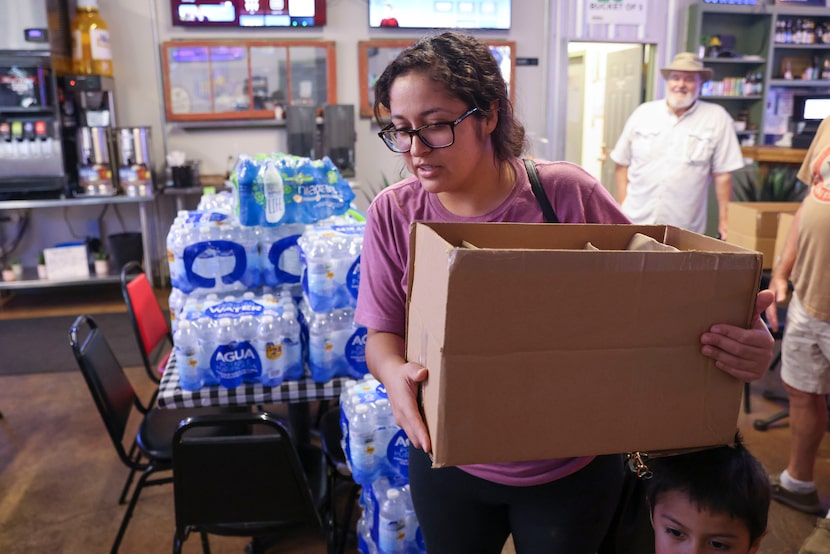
(452, 122)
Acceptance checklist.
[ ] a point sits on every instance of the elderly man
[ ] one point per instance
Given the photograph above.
(669, 150)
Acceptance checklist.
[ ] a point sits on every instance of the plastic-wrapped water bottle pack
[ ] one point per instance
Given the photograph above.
(235, 339)
(377, 451)
(330, 256)
(211, 255)
(278, 188)
(210, 252)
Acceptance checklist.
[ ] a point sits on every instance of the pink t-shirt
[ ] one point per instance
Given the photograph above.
(576, 197)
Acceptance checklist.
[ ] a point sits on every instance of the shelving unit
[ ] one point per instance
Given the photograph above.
(756, 49)
(147, 219)
(751, 31)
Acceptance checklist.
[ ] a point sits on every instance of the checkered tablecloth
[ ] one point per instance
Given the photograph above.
(171, 394)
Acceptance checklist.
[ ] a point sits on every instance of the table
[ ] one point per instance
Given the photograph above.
(297, 394)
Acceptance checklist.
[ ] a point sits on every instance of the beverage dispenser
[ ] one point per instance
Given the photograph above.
(89, 140)
(31, 49)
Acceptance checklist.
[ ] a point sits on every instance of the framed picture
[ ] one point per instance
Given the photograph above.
(375, 55)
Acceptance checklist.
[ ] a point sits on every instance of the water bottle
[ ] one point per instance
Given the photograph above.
(362, 445)
(176, 302)
(392, 524)
(206, 332)
(415, 540)
(225, 340)
(186, 343)
(249, 237)
(365, 542)
(270, 347)
(320, 348)
(274, 192)
(292, 348)
(280, 255)
(385, 430)
(201, 270)
(227, 236)
(319, 275)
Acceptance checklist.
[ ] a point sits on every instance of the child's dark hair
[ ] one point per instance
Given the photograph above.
(727, 479)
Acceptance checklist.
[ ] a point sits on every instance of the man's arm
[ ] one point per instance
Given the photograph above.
(621, 180)
(723, 192)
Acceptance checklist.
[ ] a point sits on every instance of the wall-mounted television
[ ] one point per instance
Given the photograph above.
(440, 14)
(254, 14)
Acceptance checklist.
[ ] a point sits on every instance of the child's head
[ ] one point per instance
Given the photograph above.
(713, 500)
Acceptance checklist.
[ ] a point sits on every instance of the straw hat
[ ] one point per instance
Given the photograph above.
(686, 61)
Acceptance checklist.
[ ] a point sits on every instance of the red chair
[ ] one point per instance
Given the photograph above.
(150, 325)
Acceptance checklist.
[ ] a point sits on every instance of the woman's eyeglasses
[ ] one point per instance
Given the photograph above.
(433, 135)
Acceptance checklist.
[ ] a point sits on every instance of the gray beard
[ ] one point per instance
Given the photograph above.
(681, 105)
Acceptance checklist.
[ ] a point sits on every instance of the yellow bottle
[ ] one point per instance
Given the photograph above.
(91, 54)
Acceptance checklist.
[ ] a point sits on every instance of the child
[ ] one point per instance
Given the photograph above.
(714, 500)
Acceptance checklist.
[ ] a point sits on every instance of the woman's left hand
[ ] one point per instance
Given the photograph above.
(742, 353)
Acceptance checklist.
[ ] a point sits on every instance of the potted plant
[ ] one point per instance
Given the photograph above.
(8, 273)
(41, 266)
(17, 268)
(102, 264)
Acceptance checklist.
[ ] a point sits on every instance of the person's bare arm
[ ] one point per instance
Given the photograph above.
(621, 180)
(385, 356)
(782, 268)
(723, 193)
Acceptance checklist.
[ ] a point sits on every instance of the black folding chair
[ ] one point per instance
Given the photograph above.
(340, 478)
(116, 401)
(253, 485)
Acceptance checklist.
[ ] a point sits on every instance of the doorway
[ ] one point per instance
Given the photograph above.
(606, 81)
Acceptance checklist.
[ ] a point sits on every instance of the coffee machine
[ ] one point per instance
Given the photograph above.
(87, 107)
(32, 49)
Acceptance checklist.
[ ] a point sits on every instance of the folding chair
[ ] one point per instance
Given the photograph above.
(150, 325)
(339, 476)
(116, 401)
(256, 484)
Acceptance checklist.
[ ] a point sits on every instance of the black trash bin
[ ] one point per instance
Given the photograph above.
(125, 248)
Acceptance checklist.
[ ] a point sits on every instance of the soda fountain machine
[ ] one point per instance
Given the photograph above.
(31, 149)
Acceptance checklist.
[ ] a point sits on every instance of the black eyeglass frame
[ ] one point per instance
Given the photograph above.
(417, 132)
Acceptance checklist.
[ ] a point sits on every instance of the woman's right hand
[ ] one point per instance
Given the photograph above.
(402, 387)
(385, 356)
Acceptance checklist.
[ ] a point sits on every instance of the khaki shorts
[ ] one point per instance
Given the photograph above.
(805, 351)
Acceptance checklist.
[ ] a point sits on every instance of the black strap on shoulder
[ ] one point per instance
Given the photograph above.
(539, 192)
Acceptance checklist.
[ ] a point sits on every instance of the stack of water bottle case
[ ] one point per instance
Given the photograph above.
(378, 454)
(264, 287)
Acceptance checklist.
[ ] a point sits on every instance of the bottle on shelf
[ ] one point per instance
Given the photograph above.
(91, 53)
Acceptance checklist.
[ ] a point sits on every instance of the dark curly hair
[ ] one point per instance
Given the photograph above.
(726, 479)
(467, 68)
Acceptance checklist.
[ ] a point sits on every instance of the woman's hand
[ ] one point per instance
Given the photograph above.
(386, 361)
(742, 353)
(402, 388)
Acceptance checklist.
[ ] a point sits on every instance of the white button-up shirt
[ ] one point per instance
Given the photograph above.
(671, 159)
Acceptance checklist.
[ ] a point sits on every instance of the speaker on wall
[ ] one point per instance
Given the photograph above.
(339, 136)
(300, 127)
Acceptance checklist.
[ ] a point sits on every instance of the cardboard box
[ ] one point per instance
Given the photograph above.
(785, 221)
(754, 225)
(537, 348)
(766, 246)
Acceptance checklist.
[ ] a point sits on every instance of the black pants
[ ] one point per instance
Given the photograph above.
(460, 513)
